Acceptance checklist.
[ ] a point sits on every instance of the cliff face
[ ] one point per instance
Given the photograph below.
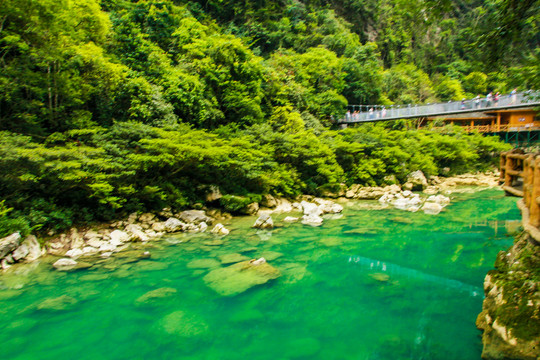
(510, 317)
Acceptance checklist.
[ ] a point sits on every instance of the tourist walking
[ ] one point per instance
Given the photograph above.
(513, 97)
(489, 97)
(477, 102)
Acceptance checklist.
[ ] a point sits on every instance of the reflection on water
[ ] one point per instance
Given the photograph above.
(372, 284)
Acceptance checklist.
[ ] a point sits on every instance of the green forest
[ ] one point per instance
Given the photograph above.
(115, 106)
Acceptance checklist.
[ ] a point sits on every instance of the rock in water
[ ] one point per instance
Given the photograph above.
(232, 258)
(63, 302)
(312, 220)
(264, 222)
(65, 264)
(380, 277)
(219, 229)
(183, 324)
(432, 208)
(237, 278)
(155, 294)
(311, 209)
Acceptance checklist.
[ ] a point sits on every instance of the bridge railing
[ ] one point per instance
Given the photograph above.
(368, 113)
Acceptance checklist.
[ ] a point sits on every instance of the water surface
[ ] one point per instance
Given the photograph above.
(370, 284)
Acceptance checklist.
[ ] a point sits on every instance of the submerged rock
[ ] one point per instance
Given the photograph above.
(237, 278)
(156, 294)
(380, 277)
(215, 242)
(63, 302)
(183, 324)
(312, 220)
(432, 208)
(232, 258)
(271, 255)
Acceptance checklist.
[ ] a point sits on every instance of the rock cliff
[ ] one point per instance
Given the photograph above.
(510, 317)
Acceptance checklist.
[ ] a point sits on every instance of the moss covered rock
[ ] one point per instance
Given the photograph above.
(183, 324)
(237, 278)
(155, 295)
(510, 317)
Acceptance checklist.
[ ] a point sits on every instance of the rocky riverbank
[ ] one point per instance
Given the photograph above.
(81, 246)
(510, 317)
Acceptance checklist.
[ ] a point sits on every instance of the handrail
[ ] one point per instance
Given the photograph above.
(493, 128)
(371, 113)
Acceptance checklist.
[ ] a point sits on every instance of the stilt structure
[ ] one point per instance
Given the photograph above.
(520, 176)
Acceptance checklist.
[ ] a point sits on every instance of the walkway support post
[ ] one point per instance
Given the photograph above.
(502, 167)
(534, 207)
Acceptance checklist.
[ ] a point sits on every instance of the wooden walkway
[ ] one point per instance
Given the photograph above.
(520, 176)
(374, 113)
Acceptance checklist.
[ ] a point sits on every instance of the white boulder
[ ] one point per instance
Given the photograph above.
(75, 253)
(64, 263)
(136, 233)
(219, 229)
(432, 208)
(119, 237)
(311, 209)
(312, 220)
(174, 225)
(264, 222)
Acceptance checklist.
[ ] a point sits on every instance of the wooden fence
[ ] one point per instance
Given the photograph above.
(520, 176)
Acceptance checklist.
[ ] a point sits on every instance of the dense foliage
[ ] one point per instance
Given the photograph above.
(113, 106)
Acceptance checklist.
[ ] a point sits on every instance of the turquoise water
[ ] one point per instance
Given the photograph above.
(371, 284)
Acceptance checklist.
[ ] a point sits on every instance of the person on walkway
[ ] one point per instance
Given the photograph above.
(477, 102)
(371, 113)
(513, 97)
(383, 112)
(496, 98)
(462, 104)
(489, 97)
(348, 115)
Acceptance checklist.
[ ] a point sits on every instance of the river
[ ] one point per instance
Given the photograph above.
(368, 284)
